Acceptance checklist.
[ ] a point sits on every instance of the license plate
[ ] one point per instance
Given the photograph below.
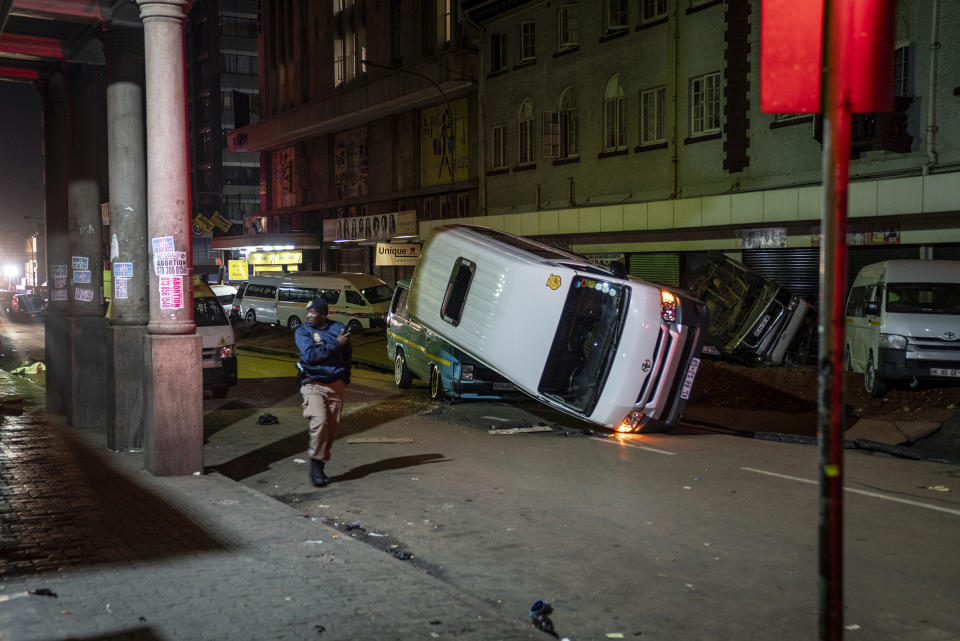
(688, 380)
(939, 371)
(503, 387)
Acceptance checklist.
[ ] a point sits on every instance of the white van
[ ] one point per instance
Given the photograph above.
(594, 343)
(359, 301)
(216, 339)
(903, 322)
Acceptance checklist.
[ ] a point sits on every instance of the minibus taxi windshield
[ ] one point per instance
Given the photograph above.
(207, 311)
(923, 298)
(377, 294)
(587, 336)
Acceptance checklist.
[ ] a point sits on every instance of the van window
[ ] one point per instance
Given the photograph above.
(378, 294)
(400, 302)
(329, 295)
(855, 301)
(242, 288)
(207, 311)
(587, 334)
(354, 298)
(923, 298)
(296, 294)
(457, 288)
(261, 291)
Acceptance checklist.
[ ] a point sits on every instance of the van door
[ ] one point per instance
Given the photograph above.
(872, 324)
(356, 310)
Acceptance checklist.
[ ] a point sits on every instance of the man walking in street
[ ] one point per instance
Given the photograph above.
(324, 365)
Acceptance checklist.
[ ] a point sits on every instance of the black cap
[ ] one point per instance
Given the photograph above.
(318, 304)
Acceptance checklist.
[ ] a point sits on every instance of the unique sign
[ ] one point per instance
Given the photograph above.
(395, 254)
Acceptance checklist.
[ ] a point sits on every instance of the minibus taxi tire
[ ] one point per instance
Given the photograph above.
(354, 327)
(401, 375)
(436, 386)
(251, 316)
(293, 323)
(872, 383)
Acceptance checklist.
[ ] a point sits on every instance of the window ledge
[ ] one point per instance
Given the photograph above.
(652, 23)
(498, 72)
(779, 124)
(704, 138)
(498, 172)
(566, 51)
(705, 5)
(527, 167)
(649, 147)
(613, 34)
(614, 152)
(525, 64)
(569, 160)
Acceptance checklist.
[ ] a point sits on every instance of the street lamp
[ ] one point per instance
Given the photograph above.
(449, 114)
(10, 271)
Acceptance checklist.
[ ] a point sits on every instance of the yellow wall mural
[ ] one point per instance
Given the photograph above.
(443, 143)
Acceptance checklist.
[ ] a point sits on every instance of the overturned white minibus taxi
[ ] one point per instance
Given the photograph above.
(608, 348)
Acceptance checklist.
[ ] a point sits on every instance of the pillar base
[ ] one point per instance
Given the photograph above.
(56, 346)
(129, 373)
(91, 391)
(173, 430)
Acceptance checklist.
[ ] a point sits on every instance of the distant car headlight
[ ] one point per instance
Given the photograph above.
(466, 372)
(226, 351)
(668, 306)
(893, 341)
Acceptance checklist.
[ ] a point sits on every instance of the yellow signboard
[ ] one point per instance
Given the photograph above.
(275, 258)
(202, 223)
(237, 269)
(220, 222)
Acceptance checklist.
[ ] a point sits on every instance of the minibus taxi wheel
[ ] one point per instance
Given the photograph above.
(436, 389)
(354, 327)
(875, 386)
(251, 316)
(294, 323)
(401, 375)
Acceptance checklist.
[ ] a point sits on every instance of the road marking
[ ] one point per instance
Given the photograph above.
(619, 441)
(875, 495)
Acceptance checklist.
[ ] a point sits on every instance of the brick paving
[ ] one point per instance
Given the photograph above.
(132, 556)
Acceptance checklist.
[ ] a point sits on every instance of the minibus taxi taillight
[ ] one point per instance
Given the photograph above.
(226, 351)
(632, 421)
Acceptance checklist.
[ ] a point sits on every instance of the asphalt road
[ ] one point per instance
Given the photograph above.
(687, 535)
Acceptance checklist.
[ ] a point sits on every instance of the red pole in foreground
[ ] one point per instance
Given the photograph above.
(833, 279)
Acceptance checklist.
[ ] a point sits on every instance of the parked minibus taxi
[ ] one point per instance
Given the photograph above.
(597, 344)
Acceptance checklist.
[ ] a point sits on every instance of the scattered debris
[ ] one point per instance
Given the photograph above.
(33, 369)
(614, 635)
(852, 626)
(938, 488)
(299, 460)
(540, 617)
(403, 556)
(44, 592)
(521, 430)
(267, 419)
(380, 439)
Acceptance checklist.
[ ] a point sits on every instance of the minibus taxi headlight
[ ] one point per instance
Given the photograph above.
(466, 372)
(226, 351)
(793, 304)
(893, 341)
(668, 306)
(631, 422)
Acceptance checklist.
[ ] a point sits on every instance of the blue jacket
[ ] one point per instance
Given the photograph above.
(322, 358)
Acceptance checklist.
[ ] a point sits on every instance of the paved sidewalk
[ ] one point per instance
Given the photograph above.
(132, 556)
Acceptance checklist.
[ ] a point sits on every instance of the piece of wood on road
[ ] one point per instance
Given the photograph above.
(380, 439)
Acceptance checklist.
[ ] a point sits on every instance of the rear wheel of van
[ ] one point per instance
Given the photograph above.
(436, 389)
(401, 375)
(875, 386)
(354, 327)
(251, 316)
(294, 323)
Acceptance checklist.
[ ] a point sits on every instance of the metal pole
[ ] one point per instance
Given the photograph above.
(833, 286)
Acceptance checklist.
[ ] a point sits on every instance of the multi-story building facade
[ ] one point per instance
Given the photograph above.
(223, 93)
(368, 124)
(633, 128)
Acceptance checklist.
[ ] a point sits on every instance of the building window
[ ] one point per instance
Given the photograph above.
(651, 10)
(447, 20)
(339, 62)
(705, 104)
(902, 78)
(498, 52)
(499, 147)
(568, 22)
(525, 133)
(238, 64)
(560, 128)
(528, 50)
(237, 26)
(614, 134)
(615, 15)
(651, 115)
(227, 101)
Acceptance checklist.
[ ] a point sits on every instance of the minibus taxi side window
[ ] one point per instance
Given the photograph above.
(330, 295)
(354, 298)
(457, 287)
(399, 306)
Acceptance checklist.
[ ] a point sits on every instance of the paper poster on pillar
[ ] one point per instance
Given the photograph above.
(59, 294)
(81, 294)
(80, 262)
(123, 270)
(162, 244)
(120, 288)
(170, 264)
(59, 274)
(81, 276)
(171, 292)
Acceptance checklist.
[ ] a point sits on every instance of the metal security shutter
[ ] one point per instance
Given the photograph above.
(663, 268)
(946, 252)
(796, 268)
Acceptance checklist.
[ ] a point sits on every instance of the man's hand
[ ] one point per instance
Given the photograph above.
(344, 337)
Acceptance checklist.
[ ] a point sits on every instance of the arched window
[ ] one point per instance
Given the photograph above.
(568, 123)
(614, 135)
(525, 133)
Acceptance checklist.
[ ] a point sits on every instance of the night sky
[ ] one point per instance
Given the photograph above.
(21, 158)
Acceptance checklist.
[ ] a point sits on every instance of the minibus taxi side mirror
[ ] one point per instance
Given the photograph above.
(619, 269)
(871, 308)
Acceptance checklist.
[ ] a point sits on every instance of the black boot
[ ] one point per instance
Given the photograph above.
(317, 477)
